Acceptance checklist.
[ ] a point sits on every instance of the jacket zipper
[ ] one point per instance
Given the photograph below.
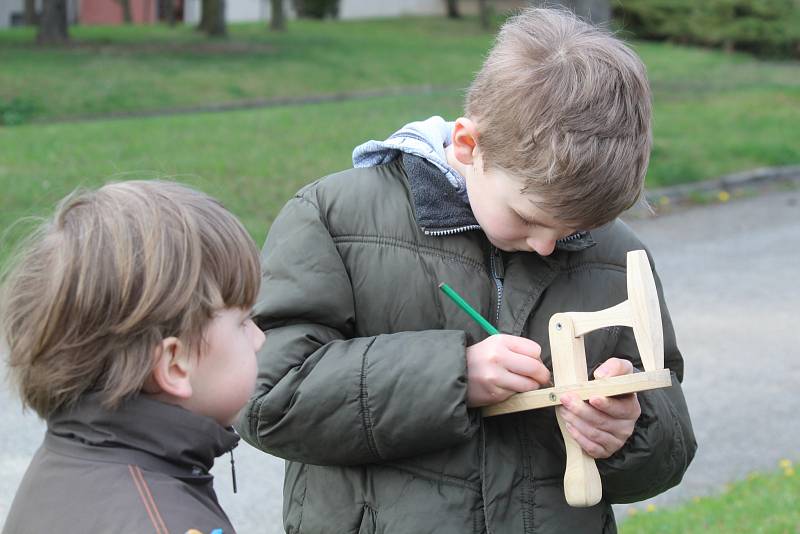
(498, 274)
(495, 261)
(451, 231)
(573, 237)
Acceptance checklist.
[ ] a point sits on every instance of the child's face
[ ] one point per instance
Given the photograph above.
(510, 219)
(224, 374)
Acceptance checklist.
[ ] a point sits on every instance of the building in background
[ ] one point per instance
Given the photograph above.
(147, 11)
(259, 10)
(12, 12)
(110, 12)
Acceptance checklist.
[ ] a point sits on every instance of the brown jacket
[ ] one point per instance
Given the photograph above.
(141, 468)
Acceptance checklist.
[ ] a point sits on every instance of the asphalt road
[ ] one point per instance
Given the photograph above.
(730, 277)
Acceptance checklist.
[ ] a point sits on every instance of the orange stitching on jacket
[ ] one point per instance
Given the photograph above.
(152, 500)
(147, 500)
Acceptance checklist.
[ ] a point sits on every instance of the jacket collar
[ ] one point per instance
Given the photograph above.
(441, 209)
(141, 430)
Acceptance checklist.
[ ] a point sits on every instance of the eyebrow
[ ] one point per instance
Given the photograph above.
(524, 218)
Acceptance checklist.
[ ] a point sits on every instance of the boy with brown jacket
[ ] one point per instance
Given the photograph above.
(371, 383)
(127, 320)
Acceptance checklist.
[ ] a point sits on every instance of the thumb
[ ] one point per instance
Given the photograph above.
(613, 367)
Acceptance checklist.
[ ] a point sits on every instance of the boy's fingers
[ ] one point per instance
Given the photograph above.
(595, 442)
(582, 414)
(528, 367)
(619, 407)
(614, 367)
(596, 428)
(522, 345)
(517, 383)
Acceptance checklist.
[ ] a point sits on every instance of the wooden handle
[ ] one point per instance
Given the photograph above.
(600, 387)
(582, 486)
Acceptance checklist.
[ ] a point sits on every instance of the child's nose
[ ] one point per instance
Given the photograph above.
(258, 337)
(542, 246)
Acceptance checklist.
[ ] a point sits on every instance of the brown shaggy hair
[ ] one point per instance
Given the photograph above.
(114, 271)
(565, 107)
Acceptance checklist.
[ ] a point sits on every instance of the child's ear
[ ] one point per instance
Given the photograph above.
(172, 369)
(465, 140)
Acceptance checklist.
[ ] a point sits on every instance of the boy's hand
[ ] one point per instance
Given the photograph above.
(502, 365)
(603, 425)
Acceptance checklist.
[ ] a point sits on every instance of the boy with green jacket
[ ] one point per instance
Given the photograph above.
(370, 382)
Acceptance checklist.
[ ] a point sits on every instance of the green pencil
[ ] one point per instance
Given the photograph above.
(491, 330)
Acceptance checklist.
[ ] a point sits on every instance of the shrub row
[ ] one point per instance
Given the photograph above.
(763, 27)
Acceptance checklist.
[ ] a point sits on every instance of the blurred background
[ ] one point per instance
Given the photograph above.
(249, 100)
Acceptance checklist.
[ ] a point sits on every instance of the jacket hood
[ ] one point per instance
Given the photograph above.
(426, 139)
(438, 191)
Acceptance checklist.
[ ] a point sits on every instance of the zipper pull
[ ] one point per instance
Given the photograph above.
(497, 264)
(233, 472)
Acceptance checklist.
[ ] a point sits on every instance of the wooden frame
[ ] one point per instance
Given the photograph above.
(582, 485)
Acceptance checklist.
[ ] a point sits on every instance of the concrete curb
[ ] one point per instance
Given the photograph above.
(719, 190)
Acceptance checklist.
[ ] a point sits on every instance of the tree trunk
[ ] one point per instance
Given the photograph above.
(30, 12)
(595, 11)
(485, 14)
(127, 17)
(278, 19)
(212, 20)
(53, 23)
(204, 11)
(169, 8)
(452, 9)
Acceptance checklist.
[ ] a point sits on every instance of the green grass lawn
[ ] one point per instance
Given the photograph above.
(714, 113)
(762, 504)
(252, 160)
(112, 69)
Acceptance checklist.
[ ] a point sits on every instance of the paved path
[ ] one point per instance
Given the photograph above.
(730, 273)
(731, 278)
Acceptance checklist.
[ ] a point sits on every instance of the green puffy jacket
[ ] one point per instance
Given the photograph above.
(362, 378)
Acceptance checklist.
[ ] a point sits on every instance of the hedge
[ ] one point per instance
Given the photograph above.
(763, 27)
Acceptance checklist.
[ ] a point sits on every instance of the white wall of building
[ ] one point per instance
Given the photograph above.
(259, 10)
(235, 10)
(357, 9)
(7, 7)
(256, 10)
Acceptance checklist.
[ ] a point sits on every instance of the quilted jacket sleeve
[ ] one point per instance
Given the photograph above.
(663, 444)
(327, 397)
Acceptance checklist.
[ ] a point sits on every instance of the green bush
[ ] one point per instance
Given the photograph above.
(16, 111)
(316, 9)
(763, 27)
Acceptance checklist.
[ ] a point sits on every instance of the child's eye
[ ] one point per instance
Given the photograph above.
(525, 221)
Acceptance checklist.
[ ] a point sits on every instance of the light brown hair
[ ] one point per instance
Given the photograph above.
(112, 273)
(565, 106)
